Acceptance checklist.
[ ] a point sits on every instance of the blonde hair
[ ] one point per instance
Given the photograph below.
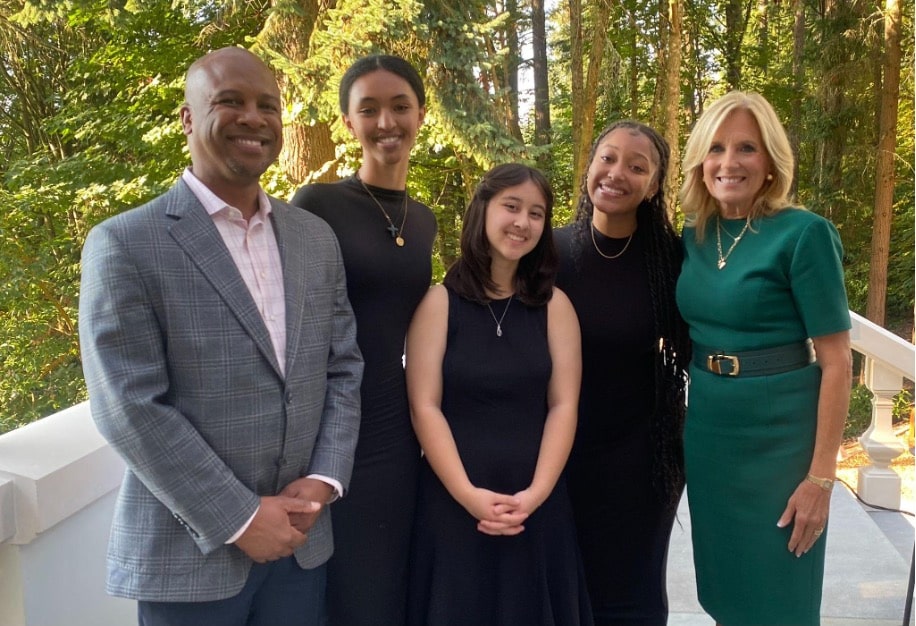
(696, 202)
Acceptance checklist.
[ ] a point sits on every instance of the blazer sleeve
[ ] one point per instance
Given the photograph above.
(335, 446)
(125, 365)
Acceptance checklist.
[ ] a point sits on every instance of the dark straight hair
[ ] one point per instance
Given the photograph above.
(469, 276)
(373, 63)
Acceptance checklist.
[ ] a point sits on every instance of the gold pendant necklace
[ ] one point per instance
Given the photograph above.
(397, 233)
(723, 258)
(592, 230)
(499, 322)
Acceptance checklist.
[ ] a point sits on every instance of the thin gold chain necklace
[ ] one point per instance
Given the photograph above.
(592, 230)
(397, 233)
(723, 258)
(499, 322)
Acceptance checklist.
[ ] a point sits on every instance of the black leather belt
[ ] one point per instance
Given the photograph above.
(754, 362)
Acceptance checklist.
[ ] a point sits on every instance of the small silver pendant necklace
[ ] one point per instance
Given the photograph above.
(499, 322)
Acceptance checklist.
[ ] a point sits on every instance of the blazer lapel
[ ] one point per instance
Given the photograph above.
(195, 232)
(291, 241)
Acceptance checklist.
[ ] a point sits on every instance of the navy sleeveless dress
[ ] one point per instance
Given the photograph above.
(495, 400)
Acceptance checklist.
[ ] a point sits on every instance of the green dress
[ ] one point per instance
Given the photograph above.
(748, 440)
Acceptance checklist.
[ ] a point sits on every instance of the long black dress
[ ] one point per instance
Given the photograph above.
(494, 398)
(372, 525)
(622, 525)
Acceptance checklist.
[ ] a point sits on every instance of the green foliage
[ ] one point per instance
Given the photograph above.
(108, 139)
(860, 410)
(37, 328)
(91, 91)
(461, 136)
(903, 404)
(352, 29)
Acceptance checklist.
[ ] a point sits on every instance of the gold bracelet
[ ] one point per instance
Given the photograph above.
(824, 483)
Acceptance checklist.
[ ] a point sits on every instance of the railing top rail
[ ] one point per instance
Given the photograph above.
(881, 344)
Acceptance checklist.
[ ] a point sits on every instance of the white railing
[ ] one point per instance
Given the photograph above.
(888, 361)
(59, 478)
(58, 482)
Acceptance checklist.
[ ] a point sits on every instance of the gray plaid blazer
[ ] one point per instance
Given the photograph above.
(184, 383)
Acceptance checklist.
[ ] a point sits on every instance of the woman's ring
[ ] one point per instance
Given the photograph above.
(818, 532)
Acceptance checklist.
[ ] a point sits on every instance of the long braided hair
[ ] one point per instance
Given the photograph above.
(663, 256)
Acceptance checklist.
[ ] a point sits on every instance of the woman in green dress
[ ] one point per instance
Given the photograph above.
(762, 291)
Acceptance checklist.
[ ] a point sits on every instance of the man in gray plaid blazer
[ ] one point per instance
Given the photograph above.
(219, 349)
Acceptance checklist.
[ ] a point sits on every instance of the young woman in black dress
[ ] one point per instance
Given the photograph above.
(386, 239)
(493, 372)
(619, 264)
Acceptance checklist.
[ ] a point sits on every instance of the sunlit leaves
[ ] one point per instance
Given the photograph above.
(90, 89)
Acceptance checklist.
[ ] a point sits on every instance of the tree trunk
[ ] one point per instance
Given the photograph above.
(633, 68)
(763, 36)
(542, 130)
(513, 61)
(695, 74)
(840, 18)
(585, 81)
(577, 84)
(798, 55)
(734, 35)
(673, 99)
(884, 187)
(308, 149)
(658, 116)
(308, 153)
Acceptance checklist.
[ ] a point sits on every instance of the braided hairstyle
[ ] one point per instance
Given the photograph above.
(663, 256)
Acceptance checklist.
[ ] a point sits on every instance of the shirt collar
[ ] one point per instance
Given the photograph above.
(212, 203)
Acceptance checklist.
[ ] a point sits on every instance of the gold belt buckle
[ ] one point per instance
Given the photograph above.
(714, 364)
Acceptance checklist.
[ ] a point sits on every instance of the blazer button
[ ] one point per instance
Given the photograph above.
(185, 525)
(289, 397)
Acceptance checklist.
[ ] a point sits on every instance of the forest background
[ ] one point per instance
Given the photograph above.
(90, 91)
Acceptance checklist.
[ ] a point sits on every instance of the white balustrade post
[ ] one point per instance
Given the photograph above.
(878, 482)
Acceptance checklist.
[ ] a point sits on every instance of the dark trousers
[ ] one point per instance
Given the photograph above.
(279, 593)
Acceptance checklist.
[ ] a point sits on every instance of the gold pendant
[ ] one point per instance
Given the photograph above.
(400, 241)
(721, 263)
